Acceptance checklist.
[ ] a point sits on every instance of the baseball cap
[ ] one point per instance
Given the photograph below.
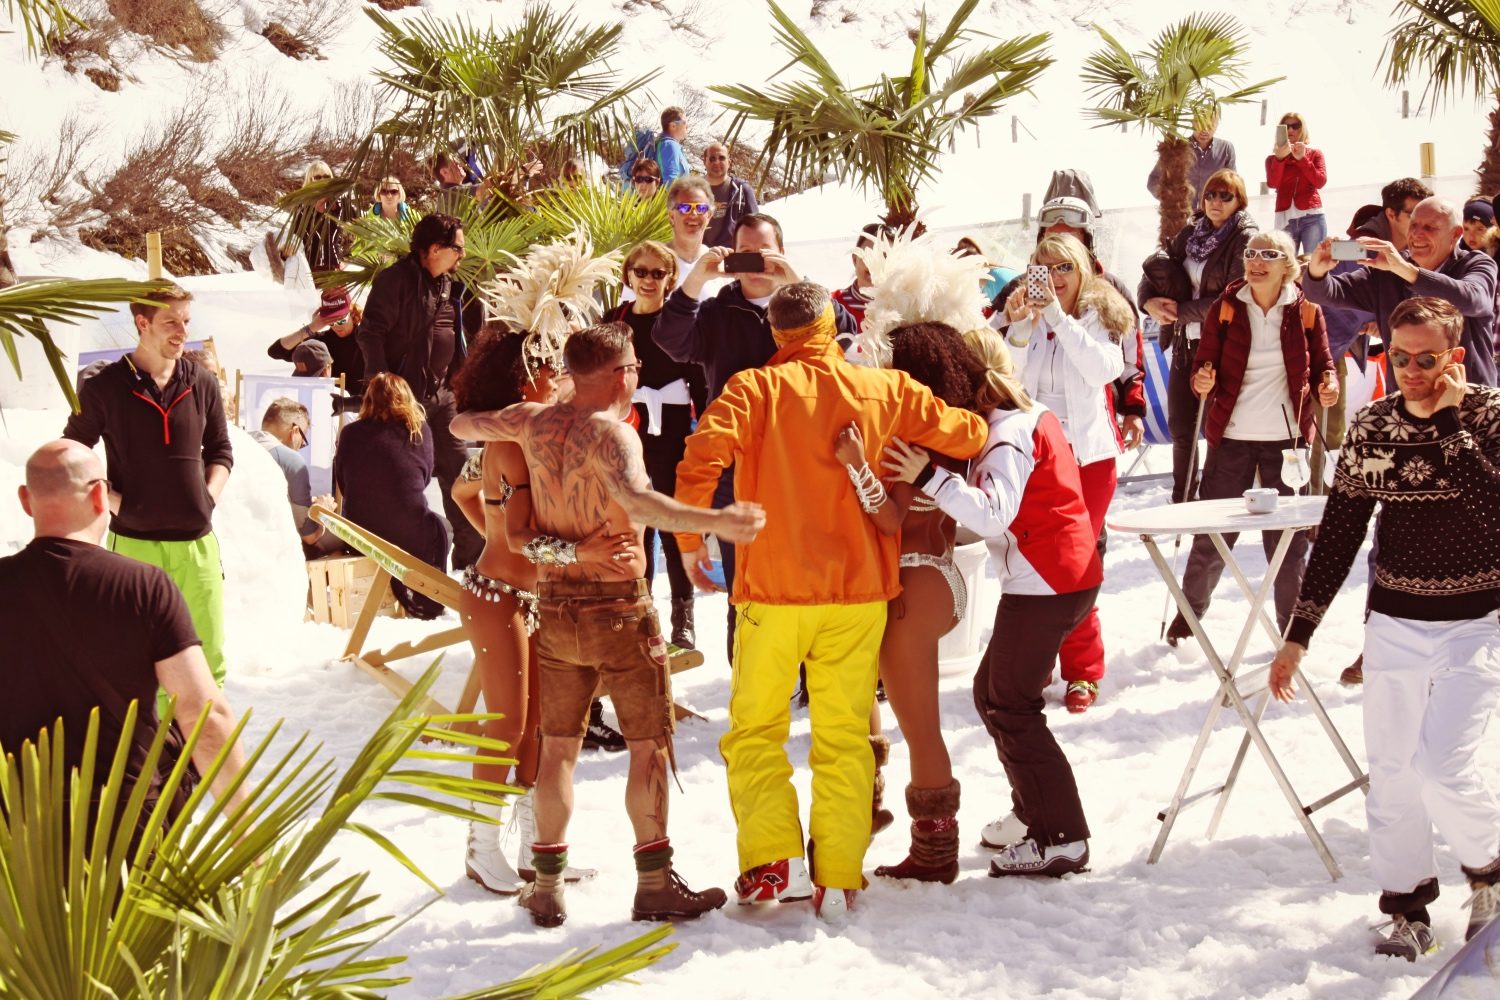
(311, 357)
(1479, 210)
(335, 305)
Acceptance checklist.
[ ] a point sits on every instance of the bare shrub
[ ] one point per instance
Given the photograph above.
(263, 155)
(349, 115)
(300, 28)
(394, 4)
(39, 186)
(167, 184)
(173, 24)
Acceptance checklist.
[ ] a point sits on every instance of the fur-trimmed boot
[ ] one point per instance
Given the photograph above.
(880, 816)
(934, 836)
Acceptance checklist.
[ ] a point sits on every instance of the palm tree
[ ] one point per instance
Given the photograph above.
(230, 903)
(885, 135)
(1454, 46)
(40, 18)
(1170, 88)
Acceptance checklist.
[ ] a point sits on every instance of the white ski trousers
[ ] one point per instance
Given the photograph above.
(1430, 689)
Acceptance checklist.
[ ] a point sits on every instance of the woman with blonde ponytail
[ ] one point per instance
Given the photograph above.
(1023, 496)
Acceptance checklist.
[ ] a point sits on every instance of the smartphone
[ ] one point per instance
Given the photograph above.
(745, 263)
(1038, 281)
(1281, 139)
(1349, 250)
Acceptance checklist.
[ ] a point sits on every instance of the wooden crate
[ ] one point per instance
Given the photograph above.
(338, 586)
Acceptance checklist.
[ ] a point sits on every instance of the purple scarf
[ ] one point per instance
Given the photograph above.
(1204, 239)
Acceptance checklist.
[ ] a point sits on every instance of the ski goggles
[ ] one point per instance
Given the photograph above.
(1068, 215)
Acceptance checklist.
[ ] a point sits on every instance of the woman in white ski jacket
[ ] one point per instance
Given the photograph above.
(1067, 352)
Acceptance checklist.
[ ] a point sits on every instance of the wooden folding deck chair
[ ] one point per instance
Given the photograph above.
(392, 562)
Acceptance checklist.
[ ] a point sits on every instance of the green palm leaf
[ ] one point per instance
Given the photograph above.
(1451, 46)
(26, 309)
(886, 134)
(41, 18)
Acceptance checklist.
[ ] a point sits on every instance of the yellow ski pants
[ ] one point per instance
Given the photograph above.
(840, 644)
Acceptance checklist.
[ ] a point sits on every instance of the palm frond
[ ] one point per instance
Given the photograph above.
(41, 19)
(1451, 46)
(27, 307)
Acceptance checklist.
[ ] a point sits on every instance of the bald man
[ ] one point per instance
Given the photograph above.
(87, 628)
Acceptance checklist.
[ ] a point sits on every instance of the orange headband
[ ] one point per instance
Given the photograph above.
(822, 325)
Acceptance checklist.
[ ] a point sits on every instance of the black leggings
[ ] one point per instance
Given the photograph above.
(1008, 693)
(662, 452)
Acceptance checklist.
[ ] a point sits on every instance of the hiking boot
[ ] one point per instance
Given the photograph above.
(1003, 833)
(600, 736)
(1178, 630)
(484, 858)
(934, 836)
(1354, 674)
(880, 816)
(683, 633)
(1484, 905)
(1081, 694)
(1030, 858)
(663, 895)
(782, 881)
(523, 818)
(833, 905)
(544, 900)
(1408, 939)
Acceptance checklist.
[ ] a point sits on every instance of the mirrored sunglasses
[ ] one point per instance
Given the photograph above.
(1426, 361)
(686, 208)
(1264, 253)
(1061, 267)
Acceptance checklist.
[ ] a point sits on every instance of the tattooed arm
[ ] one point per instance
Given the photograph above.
(493, 425)
(617, 458)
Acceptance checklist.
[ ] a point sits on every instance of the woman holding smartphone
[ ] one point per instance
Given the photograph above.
(1297, 172)
(1065, 334)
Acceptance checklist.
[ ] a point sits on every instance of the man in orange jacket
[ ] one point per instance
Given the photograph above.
(812, 588)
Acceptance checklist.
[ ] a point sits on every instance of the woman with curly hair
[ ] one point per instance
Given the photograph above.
(382, 466)
(933, 598)
(1066, 347)
(499, 602)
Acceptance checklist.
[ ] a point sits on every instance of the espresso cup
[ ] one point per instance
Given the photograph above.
(1261, 500)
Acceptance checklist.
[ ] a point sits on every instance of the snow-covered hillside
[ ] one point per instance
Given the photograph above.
(1250, 914)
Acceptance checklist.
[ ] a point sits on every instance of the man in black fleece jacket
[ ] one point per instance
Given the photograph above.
(168, 454)
(1430, 456)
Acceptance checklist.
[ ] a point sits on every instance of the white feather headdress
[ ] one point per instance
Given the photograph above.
(550, 292)
(918, 281)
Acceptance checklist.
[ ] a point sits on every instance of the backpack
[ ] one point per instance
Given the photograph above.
(644, 144)
(1309, 312)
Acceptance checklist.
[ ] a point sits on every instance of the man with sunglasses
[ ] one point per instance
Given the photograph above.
(333, 326)
(732, 196)
(1429, 456)
(284, 432)
(1435, 263)
(413, 325)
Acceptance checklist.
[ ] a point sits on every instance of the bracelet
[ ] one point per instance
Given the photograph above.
(545, 550)
(869, 489)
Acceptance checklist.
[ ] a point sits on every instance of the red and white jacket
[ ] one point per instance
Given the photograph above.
(1023, 497)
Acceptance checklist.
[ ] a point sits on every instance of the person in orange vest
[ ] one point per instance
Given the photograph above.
(812, 588)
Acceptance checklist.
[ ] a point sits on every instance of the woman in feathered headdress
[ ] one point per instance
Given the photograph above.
(516, 359)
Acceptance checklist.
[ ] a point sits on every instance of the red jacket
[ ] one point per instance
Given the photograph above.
(1226, 344)
(1297, 181)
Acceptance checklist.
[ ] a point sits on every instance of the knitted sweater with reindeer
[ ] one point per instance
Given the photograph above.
(1438, 480)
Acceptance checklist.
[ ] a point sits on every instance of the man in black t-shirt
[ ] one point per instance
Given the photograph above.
(86, 628)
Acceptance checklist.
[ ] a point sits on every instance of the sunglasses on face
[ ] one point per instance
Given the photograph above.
(646, 179)
(392, 192)
(634, 366)
(1426, 361)
(1224, 196)
(655, 273)
(452, 246)
(1263, 253)
(1061, 267)
(686, 208)
(1296, 125)
(322, 177)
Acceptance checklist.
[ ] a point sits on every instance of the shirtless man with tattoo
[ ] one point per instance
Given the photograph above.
(586, 471)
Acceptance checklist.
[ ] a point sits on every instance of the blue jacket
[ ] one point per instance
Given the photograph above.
(671, 159)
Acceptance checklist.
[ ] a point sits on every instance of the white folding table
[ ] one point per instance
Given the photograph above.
(1216, 518)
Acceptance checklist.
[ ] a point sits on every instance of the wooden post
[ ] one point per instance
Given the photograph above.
(1026, 208)
(1429, 159)
(1265, 107)
(153, 256)
(1405, 104)
(1015, 131)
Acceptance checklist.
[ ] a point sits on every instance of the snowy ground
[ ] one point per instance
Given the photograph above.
(1251, 913)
